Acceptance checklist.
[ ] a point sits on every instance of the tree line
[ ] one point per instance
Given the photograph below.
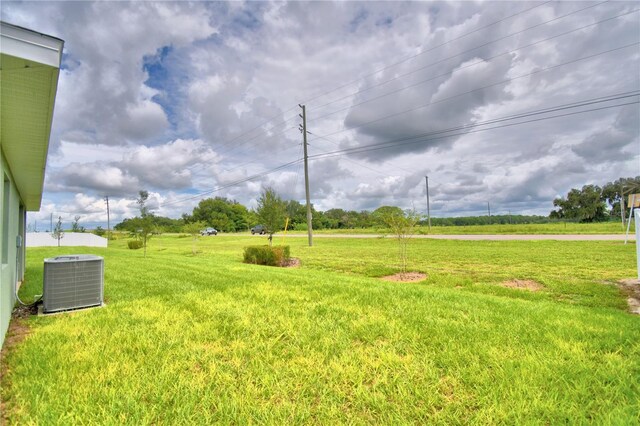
(592, 203)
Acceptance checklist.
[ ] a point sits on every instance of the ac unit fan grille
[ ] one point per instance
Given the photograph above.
(73, 282)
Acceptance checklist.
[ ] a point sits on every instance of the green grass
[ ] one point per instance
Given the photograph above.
(520, 229)
(206, 338)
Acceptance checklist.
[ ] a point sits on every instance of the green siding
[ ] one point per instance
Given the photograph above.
(9, 230)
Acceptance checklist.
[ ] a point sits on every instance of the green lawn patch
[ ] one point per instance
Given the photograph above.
(558, 228)
(207, 338)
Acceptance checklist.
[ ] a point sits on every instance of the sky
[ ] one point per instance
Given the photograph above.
(503, 105)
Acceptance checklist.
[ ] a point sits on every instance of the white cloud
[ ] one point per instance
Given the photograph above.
(180, 98)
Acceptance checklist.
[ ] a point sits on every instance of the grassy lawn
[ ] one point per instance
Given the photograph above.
(206, 338)
(520, 229)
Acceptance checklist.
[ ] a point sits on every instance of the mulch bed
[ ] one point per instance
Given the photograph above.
(293, 262)
(631, 287)
(406, 277)
(523, 285)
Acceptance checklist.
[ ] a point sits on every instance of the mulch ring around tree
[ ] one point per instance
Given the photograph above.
(293, 262)
(405, 277)
(523, 285)
(631, 287)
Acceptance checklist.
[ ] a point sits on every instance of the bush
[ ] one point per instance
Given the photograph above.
(134, 244)
(265, 255)
(300, 227)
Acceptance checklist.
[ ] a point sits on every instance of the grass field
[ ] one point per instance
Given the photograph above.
(205, 338)
(520, 229)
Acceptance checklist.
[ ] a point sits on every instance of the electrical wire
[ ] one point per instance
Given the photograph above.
(230, 141)
(363, 165)
(260, 126)
(575, 104)
(232, 184)
(422, 52)
(233, 148)
(392, 144)
(538, 71)
(481, 61)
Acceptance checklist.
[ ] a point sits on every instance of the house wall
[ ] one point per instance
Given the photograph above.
(12, 220)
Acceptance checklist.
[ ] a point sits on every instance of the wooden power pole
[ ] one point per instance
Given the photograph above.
(306, 174)
(106, 199)
(428, 207)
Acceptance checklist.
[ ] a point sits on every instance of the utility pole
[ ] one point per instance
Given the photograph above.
(306, 172)
(106, 199)
(51, 223)
(622, 212)
(428, 207)
(489, 210)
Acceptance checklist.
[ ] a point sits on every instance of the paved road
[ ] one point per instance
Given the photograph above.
(487, 237)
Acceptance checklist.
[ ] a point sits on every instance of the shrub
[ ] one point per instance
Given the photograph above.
(134, 244)
(266, 255)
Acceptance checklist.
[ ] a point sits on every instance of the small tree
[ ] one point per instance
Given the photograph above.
(58, 233)
(271, 211)
(194, 229)
(99, 231)
(75, 225)
(402, 224)
(144, 225)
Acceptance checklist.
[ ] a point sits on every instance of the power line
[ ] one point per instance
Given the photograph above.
(227, 143)
(279, 151)
(481, 61)
(422, 52)
(232, 184)
(408, 141)
(360, 164)
(576, 104)
(538, 71)
(260, 126)
(497, 120)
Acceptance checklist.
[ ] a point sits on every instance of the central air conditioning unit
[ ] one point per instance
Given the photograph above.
(73, 282)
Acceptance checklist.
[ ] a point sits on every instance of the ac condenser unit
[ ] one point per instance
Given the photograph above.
(73, 282)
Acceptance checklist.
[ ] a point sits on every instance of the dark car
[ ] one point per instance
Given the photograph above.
(258, 229)
(209, 231)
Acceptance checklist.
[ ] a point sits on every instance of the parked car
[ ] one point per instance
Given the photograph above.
(209, 231)
(258, 229)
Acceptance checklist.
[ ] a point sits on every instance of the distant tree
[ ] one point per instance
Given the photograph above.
(296, 212)
(99, 231)
(223, 214)
(193, 229)
(144, 224)
(614, 192)
(402, 224)
(58, 233)
(271, 211)
(160, 224)
(383, 212)
(364, 219)
(252, 219)
(585, 205)
(75, 225)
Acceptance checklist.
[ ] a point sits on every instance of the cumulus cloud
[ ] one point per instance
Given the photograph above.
(185, 98)
(609, 145)
(167, 166)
